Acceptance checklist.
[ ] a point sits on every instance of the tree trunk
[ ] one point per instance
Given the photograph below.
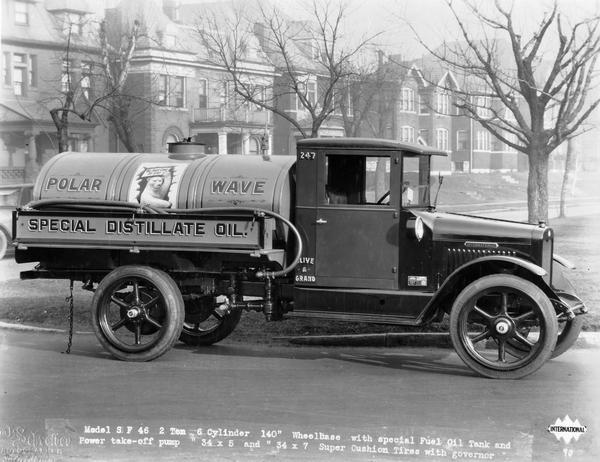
(61, 122)
(569, 164)
(537, 186)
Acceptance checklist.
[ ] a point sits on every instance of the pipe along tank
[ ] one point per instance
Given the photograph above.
(172, 240)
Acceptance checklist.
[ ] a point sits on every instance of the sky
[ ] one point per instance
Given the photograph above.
(431, 18)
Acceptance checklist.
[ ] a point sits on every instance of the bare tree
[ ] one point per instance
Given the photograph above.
(542, 82)
(367, 98)
(299, 50)
(78, 93)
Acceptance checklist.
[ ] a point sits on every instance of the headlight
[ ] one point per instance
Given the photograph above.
(419, 228)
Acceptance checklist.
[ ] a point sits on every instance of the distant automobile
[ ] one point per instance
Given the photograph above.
(11, 197)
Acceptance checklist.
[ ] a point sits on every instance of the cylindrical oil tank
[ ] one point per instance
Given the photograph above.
(171, 181)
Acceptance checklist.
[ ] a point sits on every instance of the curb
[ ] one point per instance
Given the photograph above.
(27, 328)
(418, 339)
(396, 339)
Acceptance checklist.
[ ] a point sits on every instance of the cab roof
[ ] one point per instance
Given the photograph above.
(377, 144)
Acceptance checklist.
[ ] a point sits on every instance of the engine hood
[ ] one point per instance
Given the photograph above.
(453, 226)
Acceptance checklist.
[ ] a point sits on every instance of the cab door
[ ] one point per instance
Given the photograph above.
(357, 219)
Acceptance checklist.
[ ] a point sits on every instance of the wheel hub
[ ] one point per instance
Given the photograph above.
(133, 312)
(503, 326)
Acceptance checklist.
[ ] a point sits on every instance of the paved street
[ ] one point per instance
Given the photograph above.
(260, 403)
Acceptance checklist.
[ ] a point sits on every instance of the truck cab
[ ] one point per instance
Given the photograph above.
(355, 200)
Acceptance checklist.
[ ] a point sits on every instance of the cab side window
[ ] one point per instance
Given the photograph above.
(415, 181)
(357, 180)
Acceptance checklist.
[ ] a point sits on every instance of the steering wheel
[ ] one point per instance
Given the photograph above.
(382, 198)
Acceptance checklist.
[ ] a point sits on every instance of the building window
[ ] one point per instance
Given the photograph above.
(407, 102)
(171, 91)
(162, 90)
(350, 105)
(407, 134)
(86, 80)
(177, 90)
(21, 13)
(6, 77)
(462, 140)
(259, 94)
(19, 81)
(483, 141)
(483, 106)
(19, 74)
(202, 93)
(423, 105)
(65, 79)
(424, 135)
(441, 136)
(311, 92)
(443, 103)
(33, 74)
(315, 50)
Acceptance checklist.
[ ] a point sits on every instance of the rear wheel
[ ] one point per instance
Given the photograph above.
(208, 320)
(490, 314)
(137, 313)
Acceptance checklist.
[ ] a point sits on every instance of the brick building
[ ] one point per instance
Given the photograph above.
(34, 66)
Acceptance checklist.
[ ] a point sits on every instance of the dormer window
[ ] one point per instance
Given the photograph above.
(22, 13)
(315, 50)
(73, 23)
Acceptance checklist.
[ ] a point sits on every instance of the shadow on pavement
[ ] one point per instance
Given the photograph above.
(420, 359)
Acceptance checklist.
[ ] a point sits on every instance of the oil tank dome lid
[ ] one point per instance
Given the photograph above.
(186, 150)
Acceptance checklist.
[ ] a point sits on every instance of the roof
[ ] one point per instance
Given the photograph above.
(378, 144)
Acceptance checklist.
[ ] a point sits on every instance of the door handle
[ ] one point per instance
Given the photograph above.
(320, 221)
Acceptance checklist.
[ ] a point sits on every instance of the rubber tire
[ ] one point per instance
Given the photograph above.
(174, 310)
(3, 243)
(227, 326)
(568, 336)
(546, 311)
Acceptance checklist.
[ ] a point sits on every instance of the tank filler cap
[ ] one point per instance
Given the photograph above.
(186, 150)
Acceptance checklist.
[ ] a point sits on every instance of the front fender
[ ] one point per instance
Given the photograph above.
(477, 268)
(562, 287)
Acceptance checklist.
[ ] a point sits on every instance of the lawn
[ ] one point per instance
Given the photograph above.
(42, 302)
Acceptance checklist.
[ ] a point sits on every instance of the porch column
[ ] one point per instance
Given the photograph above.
(32, 167)
(245, 143)
(222, 142)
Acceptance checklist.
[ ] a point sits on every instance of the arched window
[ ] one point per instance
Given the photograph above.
(171, 135)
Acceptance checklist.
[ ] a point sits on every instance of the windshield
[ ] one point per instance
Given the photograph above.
(415, 181)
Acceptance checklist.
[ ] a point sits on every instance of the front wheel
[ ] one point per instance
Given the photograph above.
(137, 313)
(490, 314)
